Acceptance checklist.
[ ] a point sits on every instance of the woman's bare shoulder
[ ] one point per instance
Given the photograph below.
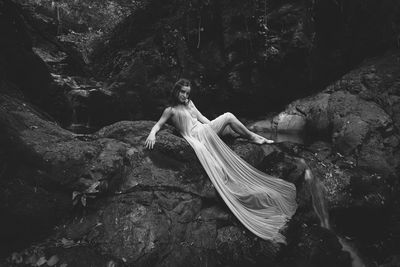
(169, 111)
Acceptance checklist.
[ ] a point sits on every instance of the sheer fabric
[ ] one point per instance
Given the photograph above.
(261, 202)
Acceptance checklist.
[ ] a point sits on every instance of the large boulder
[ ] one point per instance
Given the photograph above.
(357, 114)
(129, 205)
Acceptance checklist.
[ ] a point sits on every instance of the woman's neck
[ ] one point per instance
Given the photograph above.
(182, 104)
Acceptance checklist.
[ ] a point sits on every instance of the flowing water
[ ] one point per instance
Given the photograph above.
(317, 194)
(287, 136)
(316, 189)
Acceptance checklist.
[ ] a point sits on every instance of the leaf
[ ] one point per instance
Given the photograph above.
(16, 257)
(31, 260)
(75, 194)
(92, 188)
(64, 265)
(66, 243)
(53, 260)
(41, 261)
(83, 200)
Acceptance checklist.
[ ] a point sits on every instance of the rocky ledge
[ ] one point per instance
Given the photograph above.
(103, 199)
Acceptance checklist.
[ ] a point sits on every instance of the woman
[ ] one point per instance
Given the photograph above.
(261, 202)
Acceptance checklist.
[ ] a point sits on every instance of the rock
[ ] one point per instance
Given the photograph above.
(393, 261)
(158, 208)
(359, 202)
(91, 109)
(229, 45)
(318, 247)
(357, 125)
(20, 65)
(234, 246)
(310, 113)
(156, 211)
(249, 58)
(136, 206)
(287, 122)
(261, 125)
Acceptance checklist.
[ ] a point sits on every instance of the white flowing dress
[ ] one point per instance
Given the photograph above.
(261, 202)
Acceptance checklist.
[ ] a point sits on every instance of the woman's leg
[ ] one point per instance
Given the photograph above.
(221, 126)
(228, 121)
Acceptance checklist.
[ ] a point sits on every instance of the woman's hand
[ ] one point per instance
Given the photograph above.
(150, 141)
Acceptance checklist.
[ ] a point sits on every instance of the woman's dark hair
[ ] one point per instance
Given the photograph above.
(176, 89)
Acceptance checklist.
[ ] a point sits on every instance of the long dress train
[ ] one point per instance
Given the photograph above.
(261, 202)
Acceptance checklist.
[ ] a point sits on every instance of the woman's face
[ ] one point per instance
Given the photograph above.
(183, 94)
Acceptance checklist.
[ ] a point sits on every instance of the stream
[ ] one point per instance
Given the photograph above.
(317, 193)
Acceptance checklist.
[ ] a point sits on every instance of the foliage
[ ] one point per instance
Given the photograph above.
(34, 257)
(84, 42)
(84, 22)
(81, 197)
(98, 15)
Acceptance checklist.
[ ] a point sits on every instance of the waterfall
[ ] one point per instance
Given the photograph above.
(317, 194)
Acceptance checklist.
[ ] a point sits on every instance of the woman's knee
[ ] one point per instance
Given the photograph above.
(229, 116)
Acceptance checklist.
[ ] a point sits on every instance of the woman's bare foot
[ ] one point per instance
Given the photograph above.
(258, 139)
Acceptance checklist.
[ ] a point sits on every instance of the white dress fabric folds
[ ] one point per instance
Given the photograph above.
(261, 202)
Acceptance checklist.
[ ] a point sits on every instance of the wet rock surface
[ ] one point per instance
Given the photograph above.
(356, 155)
(357, 116)
(134, 207)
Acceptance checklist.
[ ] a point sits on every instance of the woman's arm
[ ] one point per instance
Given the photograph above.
(151, 139)
(199, 116)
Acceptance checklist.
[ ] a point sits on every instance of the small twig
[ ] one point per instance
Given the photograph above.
(249, 34)
(199, 33)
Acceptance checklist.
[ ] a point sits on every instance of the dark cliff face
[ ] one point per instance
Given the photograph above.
(248, 57)
(237, 55)
(18, 63)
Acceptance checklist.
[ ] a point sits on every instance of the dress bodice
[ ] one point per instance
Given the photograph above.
(184, 121)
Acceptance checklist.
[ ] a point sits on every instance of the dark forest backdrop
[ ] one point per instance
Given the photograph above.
(79, 79)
